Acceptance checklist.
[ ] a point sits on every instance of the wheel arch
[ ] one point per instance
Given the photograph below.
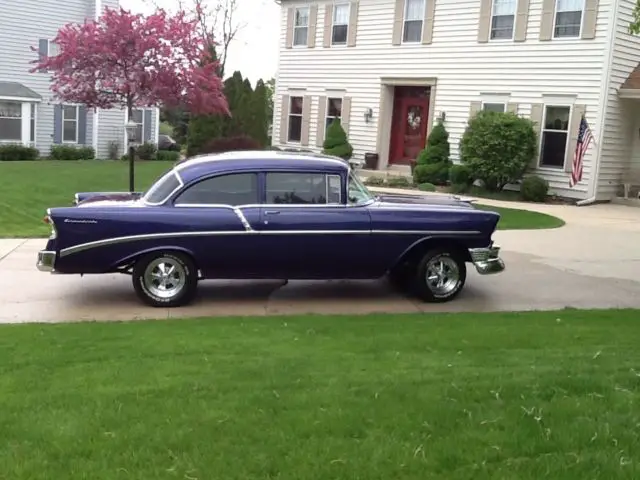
(128, 261)
(414, 252)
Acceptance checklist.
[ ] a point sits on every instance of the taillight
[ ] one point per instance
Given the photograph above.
(49, 221)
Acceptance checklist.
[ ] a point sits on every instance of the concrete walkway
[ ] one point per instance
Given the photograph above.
(592, 262)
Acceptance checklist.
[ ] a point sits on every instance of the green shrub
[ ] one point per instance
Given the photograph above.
(374, 181)
(498, 148)
(230, 144)
(72, 152)
(427, 187)
(336, 142)
(147, 151)
(398, 182)
(432, 164)
(534, 189)
(14, 152)
(114, 149)
(459, 188)
(167, 156)
(460, 175)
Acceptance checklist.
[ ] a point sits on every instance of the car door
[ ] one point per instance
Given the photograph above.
(309, 231)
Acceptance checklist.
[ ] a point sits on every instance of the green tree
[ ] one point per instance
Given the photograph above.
(336, 142)
(270, 86)
(634, 27)
(259, 114)
(432, 165)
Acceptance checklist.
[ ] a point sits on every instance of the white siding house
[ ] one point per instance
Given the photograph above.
(389, 68)
(28, 112)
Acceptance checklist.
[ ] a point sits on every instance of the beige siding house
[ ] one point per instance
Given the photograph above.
(390, 68)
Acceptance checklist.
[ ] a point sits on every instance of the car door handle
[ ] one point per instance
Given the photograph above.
(271, 212)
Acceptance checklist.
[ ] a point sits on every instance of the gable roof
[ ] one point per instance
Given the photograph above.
(633, 80)
(17, 90)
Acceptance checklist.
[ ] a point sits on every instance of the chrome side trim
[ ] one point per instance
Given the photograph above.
(487, 260)
(46, 261)
(153, 236)
(243, 220)
(273, 205)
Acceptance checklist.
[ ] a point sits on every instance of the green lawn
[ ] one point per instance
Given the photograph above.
(459, 396)
(27, 189)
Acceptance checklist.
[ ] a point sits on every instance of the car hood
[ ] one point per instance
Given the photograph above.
(423, 200)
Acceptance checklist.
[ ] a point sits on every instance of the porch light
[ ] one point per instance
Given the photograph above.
(368, 115)
(131, 128)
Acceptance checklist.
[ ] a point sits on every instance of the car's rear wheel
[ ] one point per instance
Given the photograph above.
(440, 276)
(165, 279)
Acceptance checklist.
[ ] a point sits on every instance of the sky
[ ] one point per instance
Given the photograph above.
(255, 49)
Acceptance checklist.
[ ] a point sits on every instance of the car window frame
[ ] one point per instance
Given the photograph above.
(177, 194)
(340, 175)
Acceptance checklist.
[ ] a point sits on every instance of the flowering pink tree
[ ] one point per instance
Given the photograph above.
(126, 61)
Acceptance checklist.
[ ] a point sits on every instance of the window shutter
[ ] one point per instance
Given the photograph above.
(322, 113)
(57, 124)
(82, 125)
(429, 14)
(284, 118)
(306, 117)
(398, 21)
(313, 22)
(536, 117)
(328, 22)
(353, 24)
(474, 108)
(546, 22)
(522, 19)
(589, 20)
(512, 107)
(484, 24)
(346, 114)
(288, 43)
(148, 120)
(43, 51)
(574, 126)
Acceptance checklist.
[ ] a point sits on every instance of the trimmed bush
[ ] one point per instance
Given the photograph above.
(336, 142)
(459, 188)
(72, 152)
(18, 153)
(534, 189)
(432, 164)
(147, 151)
(114, 149)
(374, 181)
(167, 156)
(498, 148)
(460, 175)
(398, 182)
(229, 144)
(427, 187)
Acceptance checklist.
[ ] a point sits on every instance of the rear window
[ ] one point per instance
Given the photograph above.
(163, 188)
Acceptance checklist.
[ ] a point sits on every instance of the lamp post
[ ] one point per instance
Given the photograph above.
(131, 128)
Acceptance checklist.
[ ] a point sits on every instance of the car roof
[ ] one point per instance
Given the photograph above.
(202, 165)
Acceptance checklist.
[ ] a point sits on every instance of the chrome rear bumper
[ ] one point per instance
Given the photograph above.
(46, 261)
(487, 260)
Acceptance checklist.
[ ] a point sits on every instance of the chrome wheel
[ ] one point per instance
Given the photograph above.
(442, 275)
(165, 277)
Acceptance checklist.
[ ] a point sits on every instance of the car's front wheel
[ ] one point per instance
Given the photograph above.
(440, 276)
(165, 279)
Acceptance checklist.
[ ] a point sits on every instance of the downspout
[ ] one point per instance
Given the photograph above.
(604, 103)
(96, 111)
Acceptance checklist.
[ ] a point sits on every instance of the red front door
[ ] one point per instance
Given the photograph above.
(409, 125)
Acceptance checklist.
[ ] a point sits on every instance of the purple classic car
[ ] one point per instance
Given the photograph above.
(269, 215)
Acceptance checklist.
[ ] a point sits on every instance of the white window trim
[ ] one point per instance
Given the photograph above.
(289, 115)
(77, 120)
(293, 39)
(543, 129)
(555, 18)
(50, 43)
(326, 114)
(20, 118)
(142, 139)
(35, 124)
(513, 27)
(404, 22)
(496, 102)
(333, 24)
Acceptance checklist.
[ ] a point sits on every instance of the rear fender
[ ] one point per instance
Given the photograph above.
(129, 260)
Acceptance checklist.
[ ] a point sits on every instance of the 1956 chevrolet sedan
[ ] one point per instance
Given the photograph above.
(269, 215)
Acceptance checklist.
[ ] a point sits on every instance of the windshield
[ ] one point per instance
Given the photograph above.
(162, 188)
(357, 193)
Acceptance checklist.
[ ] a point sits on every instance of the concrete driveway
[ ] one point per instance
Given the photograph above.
(592, 262)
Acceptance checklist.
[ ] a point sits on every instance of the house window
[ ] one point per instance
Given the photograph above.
(554, 136)
(295, 119)
(303, 188)
(568, 18)
(334, 110)
(340, 24)
(301, 26)
(53, 49)
(138, 118)
(69, 124)
(502, 19)
(32, 124)
(235, 189)
(494, 107)
(10, 121)
(413, 17)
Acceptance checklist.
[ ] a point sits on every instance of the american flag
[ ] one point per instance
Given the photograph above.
(585, 137)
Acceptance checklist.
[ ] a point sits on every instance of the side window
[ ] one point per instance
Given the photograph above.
(234, 189)
(303, 188)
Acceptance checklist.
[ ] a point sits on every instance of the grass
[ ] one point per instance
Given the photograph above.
(456, 396)
(29, 188)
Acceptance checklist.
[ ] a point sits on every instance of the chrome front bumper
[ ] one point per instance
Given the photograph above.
(46, 261)
(487, 260)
